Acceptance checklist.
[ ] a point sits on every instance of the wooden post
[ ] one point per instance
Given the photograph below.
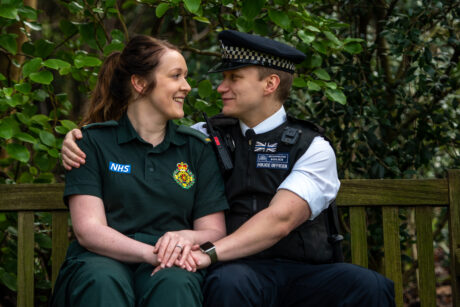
(454, 231)
(25, 259)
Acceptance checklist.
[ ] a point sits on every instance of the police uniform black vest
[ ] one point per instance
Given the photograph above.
(261, 163)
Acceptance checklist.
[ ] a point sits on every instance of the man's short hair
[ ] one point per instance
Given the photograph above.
(284, 88)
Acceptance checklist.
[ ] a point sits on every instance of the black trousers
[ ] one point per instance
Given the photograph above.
(284, 283)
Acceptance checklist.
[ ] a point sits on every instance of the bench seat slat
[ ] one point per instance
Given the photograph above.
(26, 244)
(34, 197)
(392, 250)
(426, 278)
(454, 233)
(358, 234)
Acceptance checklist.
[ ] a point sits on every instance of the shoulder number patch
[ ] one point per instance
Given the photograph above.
(183, 176)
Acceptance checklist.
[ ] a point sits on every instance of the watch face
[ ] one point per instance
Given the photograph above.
(206, 246)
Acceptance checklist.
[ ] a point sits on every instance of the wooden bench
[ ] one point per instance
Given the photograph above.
(387, 194)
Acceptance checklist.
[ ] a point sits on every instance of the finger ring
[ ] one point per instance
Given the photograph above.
(179, 246)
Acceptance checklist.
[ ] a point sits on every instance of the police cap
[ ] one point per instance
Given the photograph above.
(242, 49)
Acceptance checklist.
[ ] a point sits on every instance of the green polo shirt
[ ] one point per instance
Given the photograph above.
(144, 188)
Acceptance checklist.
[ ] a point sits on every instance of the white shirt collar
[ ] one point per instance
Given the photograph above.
(270, 123)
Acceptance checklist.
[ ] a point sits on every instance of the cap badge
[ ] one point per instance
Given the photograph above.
(183, 176)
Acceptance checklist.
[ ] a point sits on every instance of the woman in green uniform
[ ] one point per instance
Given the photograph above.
(148, 192)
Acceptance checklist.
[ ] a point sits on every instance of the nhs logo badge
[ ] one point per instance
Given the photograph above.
(119, 168)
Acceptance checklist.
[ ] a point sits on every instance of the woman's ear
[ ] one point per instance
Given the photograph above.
(138, 83)
(271, 83)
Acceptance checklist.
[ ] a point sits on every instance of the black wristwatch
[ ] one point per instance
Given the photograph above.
(209, 249)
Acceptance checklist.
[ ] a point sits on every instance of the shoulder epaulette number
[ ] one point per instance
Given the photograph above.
(190, 131)
(110, 123)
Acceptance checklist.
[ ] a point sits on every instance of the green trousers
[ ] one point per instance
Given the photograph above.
(87, 279)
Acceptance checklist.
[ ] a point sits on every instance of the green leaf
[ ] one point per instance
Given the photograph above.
(43, 77)
(8, 41)
(331, 85)
(316, 60)
(201, 104)
(67, 27)
(31, 66)
(61, 129)
(114, 46)
(82, 60)
(56, 64)
(40, 119)
(25, 137)
(53, 152)
(313, 86)
(161, 9)
(24, 88)
(322, 74)
(319, 46)
(68, 124)
(251, 9)
(43, 48)
(75, 7)
(204, 88)
(306, 37)
(18, 152)
(332, 38)
(243, 24)
(23, 118)
(313, 29)
(9, 11)
(27, 12)
(353, 48)
(47, 138)
(2, 77)
(8, 279)
(33, 25)
(201, 19)
(299, 82)
(6, 130)
(192, 5)
(337, 96)
(280, 18)
(43, 240)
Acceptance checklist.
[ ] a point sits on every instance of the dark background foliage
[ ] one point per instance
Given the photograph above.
(381, 76)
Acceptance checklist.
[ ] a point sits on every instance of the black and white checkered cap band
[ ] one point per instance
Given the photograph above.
(244, 55)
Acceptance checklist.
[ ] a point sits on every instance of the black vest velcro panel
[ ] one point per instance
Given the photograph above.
(261, 163)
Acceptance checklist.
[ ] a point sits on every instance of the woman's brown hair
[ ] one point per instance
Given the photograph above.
(112, 94)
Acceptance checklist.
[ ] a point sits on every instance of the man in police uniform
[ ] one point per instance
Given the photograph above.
(283, 179)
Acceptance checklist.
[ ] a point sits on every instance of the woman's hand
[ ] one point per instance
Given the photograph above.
(174, 246)
(72, 156)
(189, 264)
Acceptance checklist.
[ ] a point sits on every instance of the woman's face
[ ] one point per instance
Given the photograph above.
(168, 96)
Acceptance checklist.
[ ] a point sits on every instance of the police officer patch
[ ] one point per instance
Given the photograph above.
(183, 176)
(273, 161)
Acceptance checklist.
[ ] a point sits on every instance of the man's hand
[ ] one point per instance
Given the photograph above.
(201, 259)
(72, 156)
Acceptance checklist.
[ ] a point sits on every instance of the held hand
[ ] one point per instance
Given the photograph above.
(172, 246)
(189, 265)
(201, 259)
(72, 156)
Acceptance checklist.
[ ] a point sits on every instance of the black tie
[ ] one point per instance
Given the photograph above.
(250, 133)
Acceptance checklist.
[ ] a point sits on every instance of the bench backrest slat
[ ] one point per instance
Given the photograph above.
(425, 255)
(59, 238)
(392, 250)
(25, 259)
(454, 233)
(358, 236)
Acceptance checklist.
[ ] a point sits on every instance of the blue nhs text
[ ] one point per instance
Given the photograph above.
(120, 168)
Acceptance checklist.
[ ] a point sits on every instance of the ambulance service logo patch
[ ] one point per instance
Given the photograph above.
(183, 176)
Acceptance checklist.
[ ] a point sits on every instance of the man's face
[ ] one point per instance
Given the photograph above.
(242, 93)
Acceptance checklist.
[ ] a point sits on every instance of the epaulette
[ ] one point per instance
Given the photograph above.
(110, 123)
(309, 124)
(190, 131)
(221, 120)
